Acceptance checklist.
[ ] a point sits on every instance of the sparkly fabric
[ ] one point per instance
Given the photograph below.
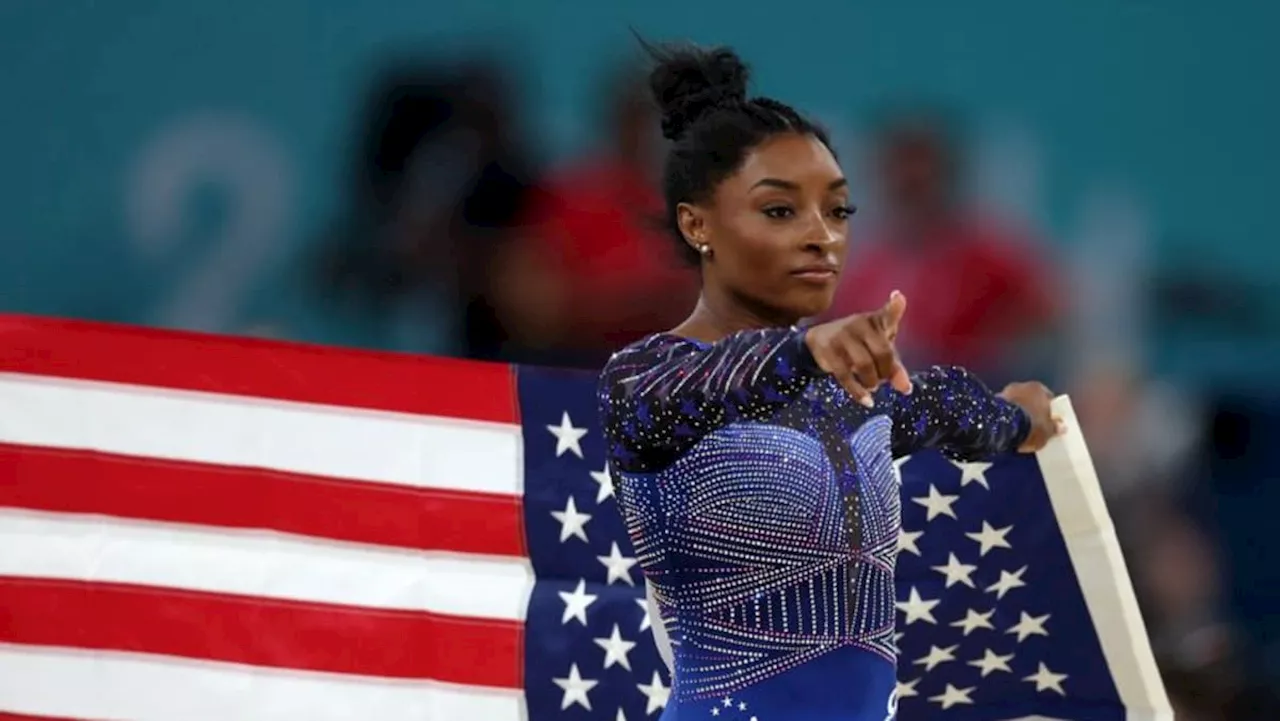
(763, 505)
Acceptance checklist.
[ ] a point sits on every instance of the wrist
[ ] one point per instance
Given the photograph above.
(1021, 419)
(806, 361)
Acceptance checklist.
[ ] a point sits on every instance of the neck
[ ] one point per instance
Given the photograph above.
(720, 313)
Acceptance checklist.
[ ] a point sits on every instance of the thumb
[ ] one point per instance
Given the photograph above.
(892, 313)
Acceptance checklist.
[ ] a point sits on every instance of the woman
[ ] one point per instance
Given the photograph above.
(762, 500)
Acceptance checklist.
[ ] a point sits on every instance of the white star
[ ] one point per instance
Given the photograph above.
(621, 716)
(575, 689)
(916, 608)
(973, 473)
(644, 622)
(989, 538)
(938, 504)
(619, 565)
(936, 657)
(567, 436)
(952, 696)
(992, 662)
(1028, 626)
(956, 572)
(616, 649)
(728, 701)
(907, 540)
(973, 621)
(1046, 680)
(602, 479)
(908, 689)
(655, 693)
(572, 523)
(575, 604)
(1008, 582)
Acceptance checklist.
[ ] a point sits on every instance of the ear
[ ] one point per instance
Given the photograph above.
(693, 224)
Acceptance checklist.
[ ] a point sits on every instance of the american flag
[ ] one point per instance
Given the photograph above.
(199, 527)
(1013, 599)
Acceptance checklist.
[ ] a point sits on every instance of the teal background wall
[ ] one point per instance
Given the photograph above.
(166, 162)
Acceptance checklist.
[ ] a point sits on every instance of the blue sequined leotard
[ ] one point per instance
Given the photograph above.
(763, 504)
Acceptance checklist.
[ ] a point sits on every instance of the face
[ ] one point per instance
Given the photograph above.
(777, 230)
(913, 168)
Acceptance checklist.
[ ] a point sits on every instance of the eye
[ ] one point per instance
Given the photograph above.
(779, 212)
(844, 212)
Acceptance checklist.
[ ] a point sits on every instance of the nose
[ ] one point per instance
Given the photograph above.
(822, 236)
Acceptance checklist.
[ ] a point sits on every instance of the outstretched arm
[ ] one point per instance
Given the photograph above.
(952, 410)
(666, 393)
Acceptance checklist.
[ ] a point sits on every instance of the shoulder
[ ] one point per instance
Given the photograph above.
(617, 395)
(643, 355)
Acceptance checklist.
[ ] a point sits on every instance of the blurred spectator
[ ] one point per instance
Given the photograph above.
(1147, 441)
(441, 180)
(979, 293)
(598, 270)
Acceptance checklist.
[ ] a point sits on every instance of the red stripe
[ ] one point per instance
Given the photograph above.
(262, 632)
(184, 492)
(252, 367)
(6, 716)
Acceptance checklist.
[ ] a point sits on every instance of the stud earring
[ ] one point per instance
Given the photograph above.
(705, 250)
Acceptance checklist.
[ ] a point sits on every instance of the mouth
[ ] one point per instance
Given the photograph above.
(815, 274)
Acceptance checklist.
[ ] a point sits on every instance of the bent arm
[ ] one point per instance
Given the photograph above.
(952, 410)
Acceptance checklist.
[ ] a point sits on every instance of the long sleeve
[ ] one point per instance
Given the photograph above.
(659, 396)
(952, 410)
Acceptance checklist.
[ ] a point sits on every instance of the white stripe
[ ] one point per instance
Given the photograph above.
(1091, 542)
(98, 685)
(253, 563)
(348, 443)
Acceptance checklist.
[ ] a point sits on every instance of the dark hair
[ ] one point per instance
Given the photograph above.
(702, 95)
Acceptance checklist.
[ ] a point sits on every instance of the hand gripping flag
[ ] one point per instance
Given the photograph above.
(206, 528)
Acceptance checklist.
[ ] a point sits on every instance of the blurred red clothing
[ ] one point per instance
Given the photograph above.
(974, 289)
(596, 229)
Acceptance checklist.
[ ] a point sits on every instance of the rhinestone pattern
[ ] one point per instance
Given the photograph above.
(762, 501)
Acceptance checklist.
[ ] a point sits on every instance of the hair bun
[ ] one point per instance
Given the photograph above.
(687, 82)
